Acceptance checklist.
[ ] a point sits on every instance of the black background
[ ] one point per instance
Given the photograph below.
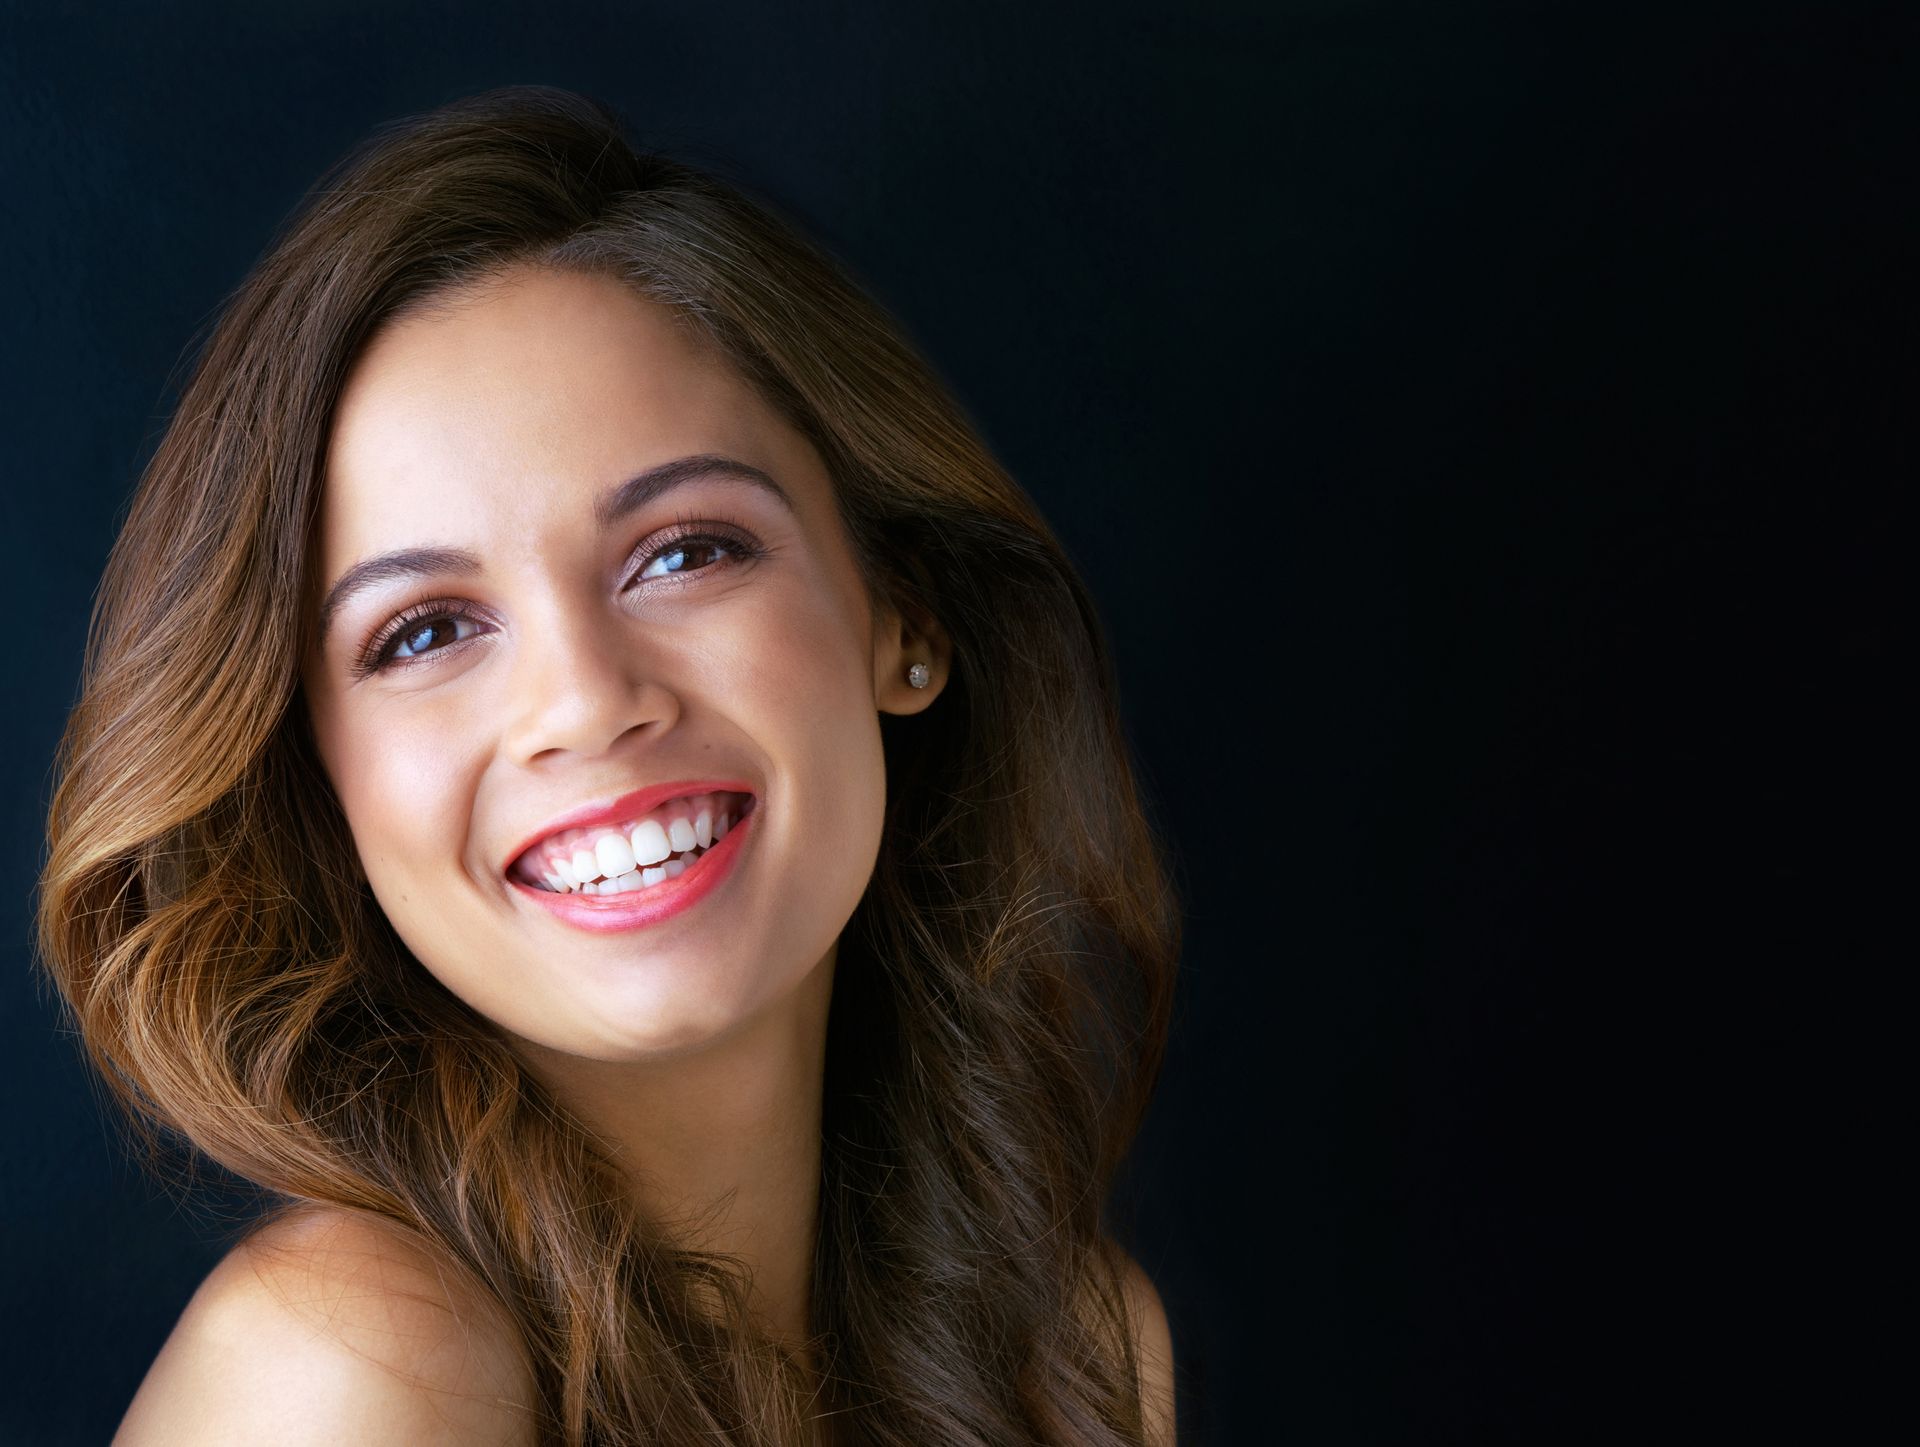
(1479, 424)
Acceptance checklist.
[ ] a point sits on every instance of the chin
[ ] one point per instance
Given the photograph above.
(657, 1022)
(661, 1038)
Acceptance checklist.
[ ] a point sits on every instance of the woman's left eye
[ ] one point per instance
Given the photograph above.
(687, 555)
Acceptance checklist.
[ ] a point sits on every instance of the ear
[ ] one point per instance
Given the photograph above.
(902, 638)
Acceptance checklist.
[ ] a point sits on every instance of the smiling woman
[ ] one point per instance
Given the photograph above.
(594, 789)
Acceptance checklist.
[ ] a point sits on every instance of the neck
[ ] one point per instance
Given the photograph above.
(721, 1148)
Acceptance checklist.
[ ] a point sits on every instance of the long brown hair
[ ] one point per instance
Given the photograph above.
(1002, 992)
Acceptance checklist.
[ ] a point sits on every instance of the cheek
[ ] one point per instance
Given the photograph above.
(404, 787)
(812, 649)
(813, 696)
(808, 675)
(397, 777)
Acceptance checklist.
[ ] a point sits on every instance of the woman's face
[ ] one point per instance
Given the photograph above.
(565, 639)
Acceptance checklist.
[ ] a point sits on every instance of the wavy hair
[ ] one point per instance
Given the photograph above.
(1003, 988)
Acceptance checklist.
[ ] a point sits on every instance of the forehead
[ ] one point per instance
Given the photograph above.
(527, 394)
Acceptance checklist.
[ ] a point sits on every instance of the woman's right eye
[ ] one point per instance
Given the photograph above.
(418, 636)
(419, 640)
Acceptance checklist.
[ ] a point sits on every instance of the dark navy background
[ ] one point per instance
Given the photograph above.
(1479, 423)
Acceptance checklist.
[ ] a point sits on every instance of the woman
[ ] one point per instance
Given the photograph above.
(565, 641)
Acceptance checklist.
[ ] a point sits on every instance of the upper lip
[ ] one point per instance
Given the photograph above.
(627, 806)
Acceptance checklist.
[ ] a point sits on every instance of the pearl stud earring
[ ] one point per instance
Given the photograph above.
(919, 675)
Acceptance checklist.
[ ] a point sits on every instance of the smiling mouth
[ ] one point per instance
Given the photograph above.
(634, 854)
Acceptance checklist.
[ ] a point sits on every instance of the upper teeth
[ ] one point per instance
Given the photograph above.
(576, 859)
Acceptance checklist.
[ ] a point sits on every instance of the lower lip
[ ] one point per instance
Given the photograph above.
(610, 913)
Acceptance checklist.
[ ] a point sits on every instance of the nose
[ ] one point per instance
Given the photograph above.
(582, 680)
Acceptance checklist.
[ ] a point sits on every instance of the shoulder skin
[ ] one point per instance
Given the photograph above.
(327, 1326)
(1153, 1340)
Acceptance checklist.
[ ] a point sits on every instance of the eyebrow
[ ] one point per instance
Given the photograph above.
(609, 508)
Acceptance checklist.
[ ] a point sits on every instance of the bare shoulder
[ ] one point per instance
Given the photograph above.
(1153, 1340)
(331, 1326)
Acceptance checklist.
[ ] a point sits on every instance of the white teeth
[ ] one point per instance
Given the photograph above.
(615, 855)
(649, 842)
(626, 881)
(641, 854)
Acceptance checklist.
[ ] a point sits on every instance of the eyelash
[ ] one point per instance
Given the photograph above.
(375, 656)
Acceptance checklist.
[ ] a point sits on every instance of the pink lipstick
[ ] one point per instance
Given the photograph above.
(627, 806)
(610, 913)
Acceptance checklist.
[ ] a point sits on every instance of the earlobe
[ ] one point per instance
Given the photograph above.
(912, 660)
